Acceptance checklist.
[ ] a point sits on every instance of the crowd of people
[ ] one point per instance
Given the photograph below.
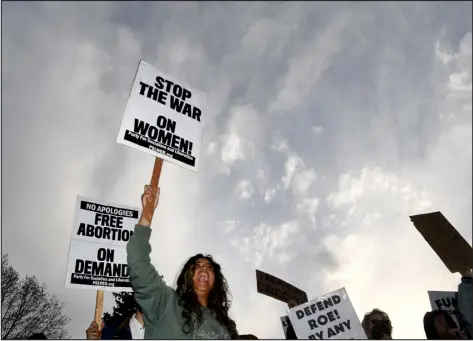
(199, 306)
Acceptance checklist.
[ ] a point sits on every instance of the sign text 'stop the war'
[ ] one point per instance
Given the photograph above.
(164, 118)
(177, 101)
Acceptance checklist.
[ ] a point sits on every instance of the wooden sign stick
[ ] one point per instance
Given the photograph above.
(158, 165)
(98, 308)
(148, 211)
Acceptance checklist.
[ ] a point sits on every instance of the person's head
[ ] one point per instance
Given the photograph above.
(436, 323)
(376, 323)
(201, 283)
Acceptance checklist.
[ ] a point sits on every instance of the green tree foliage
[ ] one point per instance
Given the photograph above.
(28, 308)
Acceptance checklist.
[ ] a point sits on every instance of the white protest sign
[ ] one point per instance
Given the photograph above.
(285, 324)
(444, 300)
(97, 252)
(164, 118)
(330, 316)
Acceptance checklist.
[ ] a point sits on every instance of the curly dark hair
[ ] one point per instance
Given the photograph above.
(219, 298)
(367, 317)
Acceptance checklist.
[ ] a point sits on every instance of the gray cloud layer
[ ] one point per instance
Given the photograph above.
(327, 125)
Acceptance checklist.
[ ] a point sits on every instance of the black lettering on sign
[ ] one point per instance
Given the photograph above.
(317, 335)
(153, 93)
(87, 267)
(312, 324)
(155, 145)
(446, 302)
(322, 305)
(185, 108)
(339, 328)
(163, 87)
(331, 317)
(104, 232)
(100, 281)
(160, 135)
(121, 212)
(106, 255)
(176, 89)
(164, 123)
(299, 314)
(108, 220)
(320, 320)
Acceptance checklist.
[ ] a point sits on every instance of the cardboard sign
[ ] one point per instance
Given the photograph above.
(444, 300)
(97, 252)
(444, 239)
(285, 324)
(164, 117)
(278, 289)
(330, 316)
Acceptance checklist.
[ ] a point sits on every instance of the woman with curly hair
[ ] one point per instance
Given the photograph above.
(377, 325)
(197, 309)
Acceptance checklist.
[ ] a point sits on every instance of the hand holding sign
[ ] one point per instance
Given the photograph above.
(93, 332)
(149, 200)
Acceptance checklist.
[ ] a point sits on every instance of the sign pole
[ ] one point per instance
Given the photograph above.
(158, 165)
(148, 211)
(98, 308)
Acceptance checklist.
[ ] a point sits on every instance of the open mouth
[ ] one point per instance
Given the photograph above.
(203, 277)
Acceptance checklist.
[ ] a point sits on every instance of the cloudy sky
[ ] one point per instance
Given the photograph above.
(327, 125)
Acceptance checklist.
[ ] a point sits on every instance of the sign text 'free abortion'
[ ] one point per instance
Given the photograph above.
(97, 253)
(164, 118)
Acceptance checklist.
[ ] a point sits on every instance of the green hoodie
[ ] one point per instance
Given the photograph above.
(161, 310)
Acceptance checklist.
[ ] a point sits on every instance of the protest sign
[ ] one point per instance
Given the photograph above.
(331, 316)
(285, 324)
(444, 239)
(278, 289)
(97, 252)
(444, 300)
(164, 118)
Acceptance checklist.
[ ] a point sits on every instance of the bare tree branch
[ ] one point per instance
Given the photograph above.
(28, 308)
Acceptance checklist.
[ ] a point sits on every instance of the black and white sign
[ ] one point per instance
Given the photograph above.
(277, 288)
(444, 300)
(164, 118)
(331, 316)
(285, 324)
(97, 253)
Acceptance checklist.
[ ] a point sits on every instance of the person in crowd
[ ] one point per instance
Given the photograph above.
(131, 328)
(464, 311)
(377, 325)
(38, 336)
(247, 337)
(197, 309)
(439, 325)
